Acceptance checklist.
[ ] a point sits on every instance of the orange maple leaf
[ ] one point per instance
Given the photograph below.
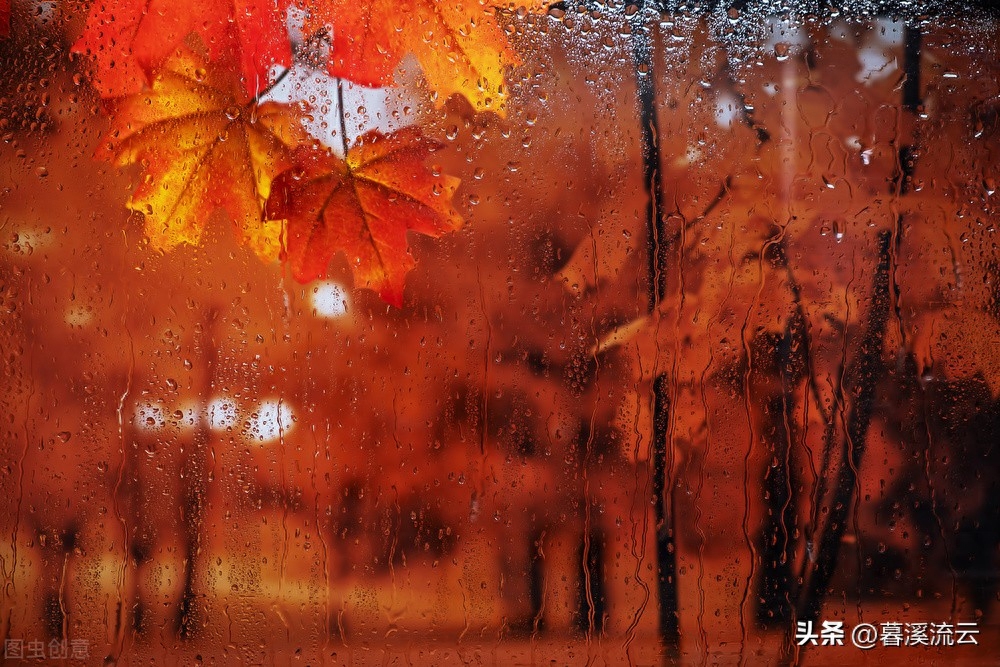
(130, 39)
(363, 206)
(203, 146)
(458, 43)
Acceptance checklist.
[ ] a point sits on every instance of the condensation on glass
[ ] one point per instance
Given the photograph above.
(598, 430)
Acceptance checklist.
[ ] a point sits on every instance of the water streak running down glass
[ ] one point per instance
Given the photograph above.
(462, 333)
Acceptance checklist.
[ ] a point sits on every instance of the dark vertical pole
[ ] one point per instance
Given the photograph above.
(659, 245)
(773, 606)
(593, 607)
(666, 556)
(911, 100)
(649, 140)
(195, 468)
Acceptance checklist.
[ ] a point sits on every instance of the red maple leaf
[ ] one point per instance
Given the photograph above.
(363, 206)
(460, 44)
(129, 39)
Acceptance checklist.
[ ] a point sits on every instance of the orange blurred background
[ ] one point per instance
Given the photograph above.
(203, 460)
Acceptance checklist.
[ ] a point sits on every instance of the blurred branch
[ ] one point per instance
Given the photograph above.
(839, 480)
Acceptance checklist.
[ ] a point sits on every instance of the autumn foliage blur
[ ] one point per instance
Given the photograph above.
(187, 83)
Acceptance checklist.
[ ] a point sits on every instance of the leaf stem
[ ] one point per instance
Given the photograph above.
(297, 53)
(340, 112)
(271, 86)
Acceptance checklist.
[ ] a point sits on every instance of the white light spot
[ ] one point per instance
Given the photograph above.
(149, 417)
(726, 111)
(786, 31)
(222, 414)
(78, 316)
(841, 31)
(329, 300)
(186, 417)
(876, 64)
(888, 32)
(273, 420)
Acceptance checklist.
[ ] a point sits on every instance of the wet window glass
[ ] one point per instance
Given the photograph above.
(512, 333)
